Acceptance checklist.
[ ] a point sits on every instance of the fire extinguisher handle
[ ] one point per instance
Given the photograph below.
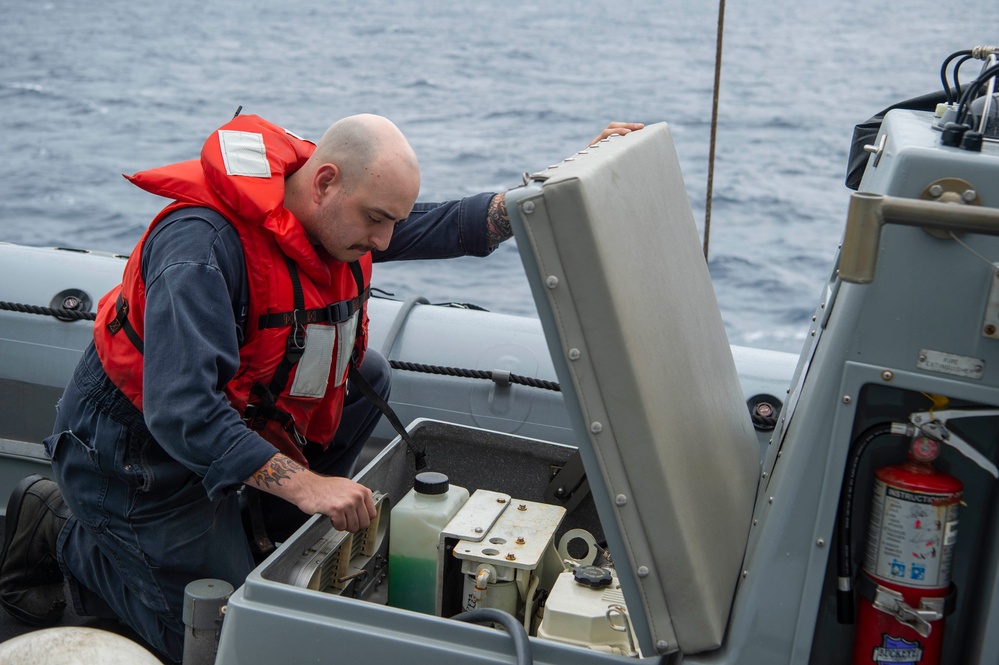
(939, 432)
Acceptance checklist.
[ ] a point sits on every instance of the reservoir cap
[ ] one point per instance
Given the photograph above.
(592, 576)
(431, 482)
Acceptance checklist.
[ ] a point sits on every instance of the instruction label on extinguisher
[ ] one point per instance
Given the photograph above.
(911, 536)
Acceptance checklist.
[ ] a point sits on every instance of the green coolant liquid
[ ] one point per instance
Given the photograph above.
(411, 583)
(417, 521)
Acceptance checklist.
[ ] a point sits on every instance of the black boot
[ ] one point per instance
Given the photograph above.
(31, 583)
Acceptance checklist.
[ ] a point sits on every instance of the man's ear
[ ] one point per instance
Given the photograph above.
(327, 179)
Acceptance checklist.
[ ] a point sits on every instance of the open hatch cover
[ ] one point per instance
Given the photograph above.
(614, 260)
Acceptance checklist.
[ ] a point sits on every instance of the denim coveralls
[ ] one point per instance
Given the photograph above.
(152, 514)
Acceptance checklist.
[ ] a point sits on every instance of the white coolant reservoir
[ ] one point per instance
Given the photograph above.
(586, 608)
(417, 521)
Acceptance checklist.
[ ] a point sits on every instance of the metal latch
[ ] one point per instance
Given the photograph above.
(891, 602)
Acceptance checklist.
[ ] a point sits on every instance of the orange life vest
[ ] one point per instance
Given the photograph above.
(306, 308)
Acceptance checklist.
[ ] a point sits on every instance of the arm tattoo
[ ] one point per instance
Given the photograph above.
(277, 469)
(497, 221)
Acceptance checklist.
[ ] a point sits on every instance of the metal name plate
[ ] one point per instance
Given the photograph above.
(990, 326)
(951, 363)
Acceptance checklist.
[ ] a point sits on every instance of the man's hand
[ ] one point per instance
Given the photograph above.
(498, 226)
(613, 128)
(350, 506)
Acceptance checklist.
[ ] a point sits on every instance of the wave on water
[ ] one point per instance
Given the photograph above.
(484, 95)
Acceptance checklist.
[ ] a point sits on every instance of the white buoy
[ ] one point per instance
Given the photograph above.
(73, 645)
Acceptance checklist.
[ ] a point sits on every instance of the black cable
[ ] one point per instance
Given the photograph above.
(964, 108)
(521, 643)
(957, 75)
(844, 521)
(943, 72)
(460, 305)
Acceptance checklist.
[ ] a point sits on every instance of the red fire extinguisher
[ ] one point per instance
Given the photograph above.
(905, 583)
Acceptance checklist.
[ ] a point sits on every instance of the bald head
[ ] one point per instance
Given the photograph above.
(359, 144)
(363, 171)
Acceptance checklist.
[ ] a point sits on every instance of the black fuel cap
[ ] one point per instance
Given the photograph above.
(592, 576)
(431, 482)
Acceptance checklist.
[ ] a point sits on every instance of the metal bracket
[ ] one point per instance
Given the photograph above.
(868, 213)
(891, 602)
(569, 485)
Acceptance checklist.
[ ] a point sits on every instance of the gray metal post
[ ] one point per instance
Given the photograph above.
(204, 601)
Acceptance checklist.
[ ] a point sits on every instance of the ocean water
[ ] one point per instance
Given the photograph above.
(485, 91)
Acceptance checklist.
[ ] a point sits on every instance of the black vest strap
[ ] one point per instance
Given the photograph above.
(338, 312)
(120, 322)
(357, 380)
(355, 270)
(295, 346)
(257, 414)
(261, 544)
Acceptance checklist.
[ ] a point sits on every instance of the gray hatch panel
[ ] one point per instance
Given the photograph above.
(614, 260)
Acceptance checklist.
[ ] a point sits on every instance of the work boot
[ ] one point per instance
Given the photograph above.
(31, 582)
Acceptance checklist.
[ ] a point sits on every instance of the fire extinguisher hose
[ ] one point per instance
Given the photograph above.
(844, 559)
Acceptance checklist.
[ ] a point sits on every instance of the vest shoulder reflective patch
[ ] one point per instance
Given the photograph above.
(347, 333)
(244, 154)
(313, 370)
